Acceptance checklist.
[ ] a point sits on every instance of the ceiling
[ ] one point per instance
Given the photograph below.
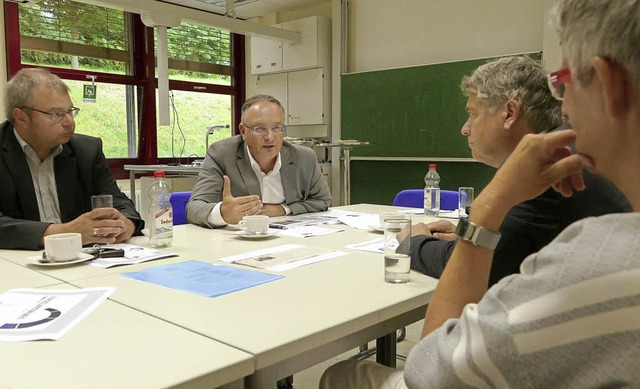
(246, 9)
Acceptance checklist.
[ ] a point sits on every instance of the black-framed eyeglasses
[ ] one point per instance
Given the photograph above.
(57, 116)
(262, 129)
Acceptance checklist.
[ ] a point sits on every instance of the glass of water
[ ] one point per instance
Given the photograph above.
(397, 255)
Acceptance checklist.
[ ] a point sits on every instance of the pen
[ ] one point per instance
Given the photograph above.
(277, 227)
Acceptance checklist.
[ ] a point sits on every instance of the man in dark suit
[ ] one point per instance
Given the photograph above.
(48, 174)
(257, 172)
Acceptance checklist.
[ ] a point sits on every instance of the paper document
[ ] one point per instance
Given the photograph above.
(301, 220)
(203, 278)
(132, 255)
(284, 257)
(36, 314)
(308, 231)
(374, 246)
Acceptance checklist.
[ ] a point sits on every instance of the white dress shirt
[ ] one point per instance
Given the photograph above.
(270, 187)
(44, 181)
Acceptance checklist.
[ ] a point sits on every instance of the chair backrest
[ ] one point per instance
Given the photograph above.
(179, 203)
(415, 198)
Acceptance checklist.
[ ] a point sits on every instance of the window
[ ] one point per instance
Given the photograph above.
(84, 43)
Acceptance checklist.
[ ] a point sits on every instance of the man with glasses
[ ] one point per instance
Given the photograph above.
(507, 99)
(571, 319)
(48, 173)
(256, 172)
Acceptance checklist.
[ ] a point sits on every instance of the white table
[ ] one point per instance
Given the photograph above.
(316, 312)
(14, 276)
(119, 347)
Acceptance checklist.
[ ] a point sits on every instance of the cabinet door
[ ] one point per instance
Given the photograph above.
(274, 85)
(303, 54)
(305, 89)
(266, 55)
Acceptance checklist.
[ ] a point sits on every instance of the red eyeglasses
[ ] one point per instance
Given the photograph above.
(558, 81)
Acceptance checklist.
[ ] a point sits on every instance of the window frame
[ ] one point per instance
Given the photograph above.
(143, 78)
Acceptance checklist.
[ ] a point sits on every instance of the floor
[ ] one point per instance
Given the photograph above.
(308, 379)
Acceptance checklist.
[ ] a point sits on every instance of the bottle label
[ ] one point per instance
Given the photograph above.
(427, 198)
(164, 218)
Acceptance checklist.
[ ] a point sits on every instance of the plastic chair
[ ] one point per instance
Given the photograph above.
(415, 198)
(179, 203)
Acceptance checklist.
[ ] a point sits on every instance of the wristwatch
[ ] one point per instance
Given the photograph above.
(477, 235)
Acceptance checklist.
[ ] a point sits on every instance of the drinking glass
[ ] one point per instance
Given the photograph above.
(465, 198)
(397, 258)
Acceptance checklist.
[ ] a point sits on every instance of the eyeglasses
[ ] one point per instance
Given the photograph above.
(262, 129)
(558, 81)
(57, 116)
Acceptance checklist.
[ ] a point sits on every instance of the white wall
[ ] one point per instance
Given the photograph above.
(398, 33)
(552, 53)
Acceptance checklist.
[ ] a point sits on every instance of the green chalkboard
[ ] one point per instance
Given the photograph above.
(407, 112)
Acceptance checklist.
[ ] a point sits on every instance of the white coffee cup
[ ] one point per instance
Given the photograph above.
(255, 224)
(63, 247)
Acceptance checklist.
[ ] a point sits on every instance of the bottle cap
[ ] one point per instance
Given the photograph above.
(432, 166)
(159, 173)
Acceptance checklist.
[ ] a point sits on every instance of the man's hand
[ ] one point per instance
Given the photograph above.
(545, 160)
(102, 225)
(233, 209)
(442, 229)
(416, 229)
(272, 210)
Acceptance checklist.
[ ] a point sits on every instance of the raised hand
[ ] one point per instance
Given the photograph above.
(538, 162)
(233, 209)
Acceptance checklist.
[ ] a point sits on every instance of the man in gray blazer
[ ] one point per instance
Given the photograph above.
(256, 172)
(48, 173)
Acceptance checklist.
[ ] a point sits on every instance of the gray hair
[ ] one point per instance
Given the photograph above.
(516, 78)
(253, 100)
(608, 29)
(23, 85)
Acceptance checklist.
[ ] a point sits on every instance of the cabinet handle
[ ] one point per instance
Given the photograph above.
(258, 66)
(273, 63)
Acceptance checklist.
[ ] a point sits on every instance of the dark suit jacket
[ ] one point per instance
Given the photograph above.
(305, 189)
(81, 171)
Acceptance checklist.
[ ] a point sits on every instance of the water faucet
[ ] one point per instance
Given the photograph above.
(211, 130)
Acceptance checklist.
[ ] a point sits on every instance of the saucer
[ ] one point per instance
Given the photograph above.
(35, 260)
(376, 228)
(245, 235)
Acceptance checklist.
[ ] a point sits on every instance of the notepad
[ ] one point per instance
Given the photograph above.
(203, 278)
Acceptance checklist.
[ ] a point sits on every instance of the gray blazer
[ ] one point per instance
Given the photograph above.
(305, 189)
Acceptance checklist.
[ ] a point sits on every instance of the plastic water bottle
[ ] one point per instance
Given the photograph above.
(432, 191)
(160, 212)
